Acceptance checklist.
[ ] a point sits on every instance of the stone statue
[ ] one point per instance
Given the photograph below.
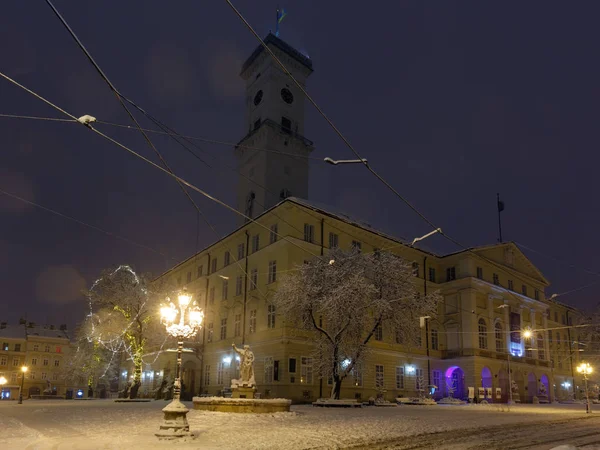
(543, 389)
(514, 387)
(246, 367)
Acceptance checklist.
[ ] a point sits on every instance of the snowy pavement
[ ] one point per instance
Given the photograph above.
(103, 424)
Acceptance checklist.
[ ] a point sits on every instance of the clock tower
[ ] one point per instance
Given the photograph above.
(273, 156)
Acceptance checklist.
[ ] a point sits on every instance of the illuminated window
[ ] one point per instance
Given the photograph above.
(5, 346)
(58, 349)
(306, 367)
(357, 376)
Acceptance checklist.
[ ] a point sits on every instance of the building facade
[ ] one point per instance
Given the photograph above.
(43, 350)
(475, 344)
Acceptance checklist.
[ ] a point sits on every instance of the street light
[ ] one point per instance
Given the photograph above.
(23, 371)
(335, 162)
(3, 381)
(586, 370)
(175, 423)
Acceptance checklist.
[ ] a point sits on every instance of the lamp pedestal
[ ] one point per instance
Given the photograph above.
(175, 424)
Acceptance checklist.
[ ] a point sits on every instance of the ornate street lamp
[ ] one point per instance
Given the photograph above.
(182, 322)
(586, 369)
(23, 372)
(3, 381)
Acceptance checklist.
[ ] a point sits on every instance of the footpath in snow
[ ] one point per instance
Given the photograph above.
(103, 424)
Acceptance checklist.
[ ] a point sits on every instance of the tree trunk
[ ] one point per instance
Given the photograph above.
(137, 373)
(337, 388)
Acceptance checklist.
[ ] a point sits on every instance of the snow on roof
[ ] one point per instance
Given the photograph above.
(47, 332)
(13, 332)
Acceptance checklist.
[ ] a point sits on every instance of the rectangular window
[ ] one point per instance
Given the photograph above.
(436, 377)
(44, 375)
(432, 274)
(32, 375)
(239, 282)
(223, 329)
(225, 290)
(419, 380)
(252, 321)
(219, 373)
(357, 245)
(189, 277)
(309, 232)
(15, 362)
(306, 376)
(292, 365)
(378, 376)
(276, 370)
(273, 233)
(17, 347)
(209, 335)
(207, 375)
(213, 265)
(255, 243)
(357, 377)
(253, 279)
(56, 362)
(378, 335)
(480, 273)
(415, 269)
(333, 240)
(272, 272)
(45, 362)
(496, 279)
(3, 361)
(241, 252)
(524, 289)
(36, 347)
(510, 285)
(237, 325)
(200, 271)
(434, 339)
(211, 296)
(399, 377)
(556, 316)
(271, 316)
(5, 346)
(34, 361)
(286, 125)
(226, 259)
(451, 273)
(536, 294)
(268, 370)
(13, 377)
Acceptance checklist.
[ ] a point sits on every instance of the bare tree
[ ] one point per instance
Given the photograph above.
(347, 298)
(124, 316)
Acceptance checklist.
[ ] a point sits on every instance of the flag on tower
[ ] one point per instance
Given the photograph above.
(280, 16)
(500, 205)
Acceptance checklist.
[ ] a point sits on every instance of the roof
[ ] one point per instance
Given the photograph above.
(13, 332)
(47, 332)
(281, 45)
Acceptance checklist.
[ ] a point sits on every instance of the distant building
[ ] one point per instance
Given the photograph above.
(43, 350)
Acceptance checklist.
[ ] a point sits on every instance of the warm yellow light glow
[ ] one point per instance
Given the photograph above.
(168, 314)
(24, 369)
(184, 298)
(585, 368)
(2, 381)
(527, 334)
(196, 317)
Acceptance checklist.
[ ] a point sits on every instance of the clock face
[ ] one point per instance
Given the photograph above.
(258, 98)
(287, 96)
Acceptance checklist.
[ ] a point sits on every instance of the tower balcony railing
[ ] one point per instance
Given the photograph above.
(283, 130)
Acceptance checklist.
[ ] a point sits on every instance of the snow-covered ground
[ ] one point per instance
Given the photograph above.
(103, 424)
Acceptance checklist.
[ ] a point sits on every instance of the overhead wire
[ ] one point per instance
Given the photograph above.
(81, 222)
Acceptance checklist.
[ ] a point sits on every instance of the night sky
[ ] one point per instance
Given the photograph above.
(450, 101)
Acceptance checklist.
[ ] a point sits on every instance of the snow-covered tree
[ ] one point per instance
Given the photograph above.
(124, 316)
(347, 298)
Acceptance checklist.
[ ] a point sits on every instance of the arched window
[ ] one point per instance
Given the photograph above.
(540, 346)
(499, 337)
(483, 343)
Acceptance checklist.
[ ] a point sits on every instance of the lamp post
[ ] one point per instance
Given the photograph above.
(182, 322)
(586, 369)
(23, 372)
(3, 381)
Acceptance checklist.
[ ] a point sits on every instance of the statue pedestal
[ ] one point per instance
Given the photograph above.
(543, 398)
(243, 392)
